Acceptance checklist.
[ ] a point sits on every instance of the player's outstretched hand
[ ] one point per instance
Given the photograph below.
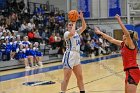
(117, 16)
(97, 31)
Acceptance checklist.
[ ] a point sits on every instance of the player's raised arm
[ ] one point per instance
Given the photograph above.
(109, 38)
(125, 31)
(126, 36)
(84, 25)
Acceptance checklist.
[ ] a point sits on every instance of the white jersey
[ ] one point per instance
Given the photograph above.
(73, 43)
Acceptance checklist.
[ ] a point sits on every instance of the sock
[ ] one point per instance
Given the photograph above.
(82, 91)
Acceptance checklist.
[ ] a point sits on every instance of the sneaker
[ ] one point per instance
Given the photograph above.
(27, 67)
(40, 64)
(36, 65)
(12, 59)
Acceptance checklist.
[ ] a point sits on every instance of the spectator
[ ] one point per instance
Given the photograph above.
(58, 40)
(52, 41)
(31, 25)
(13, 48)
(29, 54)
(95, 46)
(25, 41)
(38, 57)
(21, 56)
(24, 27)
(34, 36)
(88, 49)
(45, 35)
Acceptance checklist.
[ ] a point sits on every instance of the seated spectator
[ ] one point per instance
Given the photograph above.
(24, 27)
(58, 40)
(2, 48)
(30, 55)
(37, 36)
(106, 46)
(94, 44)
(38, 57)
(88, 38)
(101, 46)
(88, 49)
(62, 47)
(1, 31)
(21, 56)
(18, 40)
(33, 36)
(25, 41)
(13, 22)
(13, 48)
(45, 35)
(52, 41)
(31, 25)
(13, 34)
(6, 50)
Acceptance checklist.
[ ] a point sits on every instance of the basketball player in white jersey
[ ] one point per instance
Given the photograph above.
(71, 58)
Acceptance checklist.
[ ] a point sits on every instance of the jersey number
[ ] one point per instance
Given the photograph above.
(77, 42)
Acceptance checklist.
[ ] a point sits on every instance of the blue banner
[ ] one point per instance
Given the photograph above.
(84, 5)
(114, 7)
(2, 4)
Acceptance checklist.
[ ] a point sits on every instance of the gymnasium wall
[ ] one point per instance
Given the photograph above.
(94, 8)
(61, 4)
(99, 8)
(38, 1)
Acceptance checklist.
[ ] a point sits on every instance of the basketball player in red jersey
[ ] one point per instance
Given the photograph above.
(129, 53)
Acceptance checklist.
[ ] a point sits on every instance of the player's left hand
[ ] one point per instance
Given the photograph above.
(81, 15)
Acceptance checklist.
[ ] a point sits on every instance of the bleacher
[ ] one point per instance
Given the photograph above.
(50, 55)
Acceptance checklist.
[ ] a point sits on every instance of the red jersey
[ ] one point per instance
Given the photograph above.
(30, 35)
(128, 56)
(51, 40)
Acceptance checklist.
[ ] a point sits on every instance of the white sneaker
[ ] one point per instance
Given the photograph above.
(40, 64)
(36, 65)
(12, 59)
(27, 67)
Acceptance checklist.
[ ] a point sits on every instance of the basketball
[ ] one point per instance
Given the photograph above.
(73, 15)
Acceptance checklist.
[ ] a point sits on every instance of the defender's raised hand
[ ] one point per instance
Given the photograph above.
(117, 16)
(97, 31)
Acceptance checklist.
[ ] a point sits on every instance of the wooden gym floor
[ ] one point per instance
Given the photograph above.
(103, 74)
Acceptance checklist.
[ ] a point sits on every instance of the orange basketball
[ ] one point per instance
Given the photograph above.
(73, 15)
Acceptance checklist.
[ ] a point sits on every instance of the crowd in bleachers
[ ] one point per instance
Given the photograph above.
(21, 35)
(95, 44)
